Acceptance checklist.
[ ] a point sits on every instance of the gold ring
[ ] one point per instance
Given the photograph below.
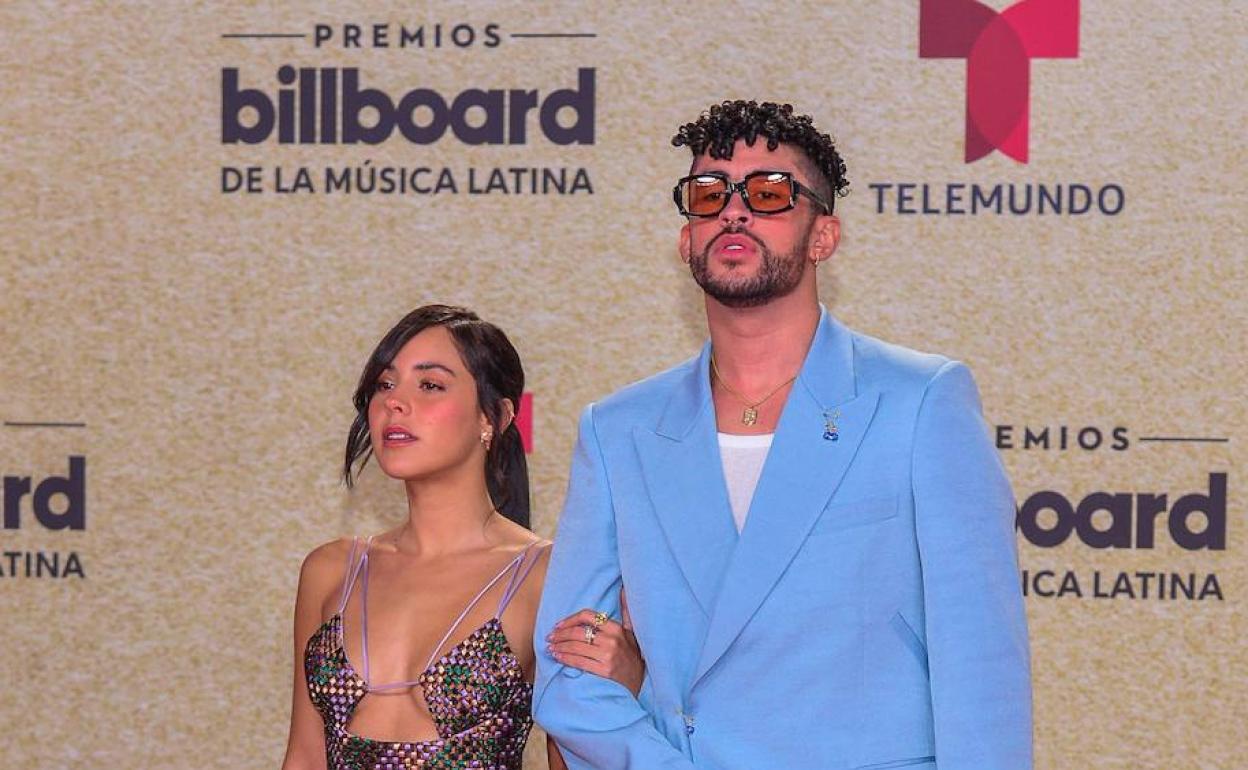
(600, 618)
(590, 633)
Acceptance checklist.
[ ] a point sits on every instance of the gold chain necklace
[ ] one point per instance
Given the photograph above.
(750, 415)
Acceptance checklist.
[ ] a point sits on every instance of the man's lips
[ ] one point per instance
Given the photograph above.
(731, 244)
(396, 435)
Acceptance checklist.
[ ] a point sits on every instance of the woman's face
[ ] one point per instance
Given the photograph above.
(424, 418)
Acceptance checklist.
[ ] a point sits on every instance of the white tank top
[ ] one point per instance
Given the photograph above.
(743, 458)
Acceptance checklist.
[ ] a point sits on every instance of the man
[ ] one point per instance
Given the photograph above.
(813, 529)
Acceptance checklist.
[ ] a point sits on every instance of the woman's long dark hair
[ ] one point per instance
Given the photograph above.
(493, 363)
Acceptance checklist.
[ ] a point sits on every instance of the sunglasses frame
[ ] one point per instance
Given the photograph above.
(796, 189)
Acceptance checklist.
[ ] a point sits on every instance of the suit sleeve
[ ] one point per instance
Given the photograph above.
(597, 722)
(976, 627)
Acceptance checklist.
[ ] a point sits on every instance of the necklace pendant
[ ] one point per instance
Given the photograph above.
(830, 430)
(749, 416)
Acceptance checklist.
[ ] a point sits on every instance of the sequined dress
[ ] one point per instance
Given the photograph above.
(476, 692)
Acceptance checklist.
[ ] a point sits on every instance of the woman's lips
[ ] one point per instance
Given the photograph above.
(396, 436)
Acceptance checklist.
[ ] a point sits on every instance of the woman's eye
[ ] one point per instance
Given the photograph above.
(430, 385)
(384, 385)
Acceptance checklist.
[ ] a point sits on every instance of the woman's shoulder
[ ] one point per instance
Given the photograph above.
(325, 565)
(542, 546)
(513, 536)
(536, 550)
(532, 550)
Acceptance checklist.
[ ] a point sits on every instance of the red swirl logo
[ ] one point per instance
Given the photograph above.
(998, 49)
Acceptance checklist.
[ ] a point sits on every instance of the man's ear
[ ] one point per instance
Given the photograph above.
(827, 238)
(685, 243)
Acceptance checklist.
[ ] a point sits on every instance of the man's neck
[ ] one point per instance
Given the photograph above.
(759, 347)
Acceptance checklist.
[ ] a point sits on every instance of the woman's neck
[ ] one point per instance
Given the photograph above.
(447, 514)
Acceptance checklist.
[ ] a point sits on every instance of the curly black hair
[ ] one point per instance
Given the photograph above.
(718, 129)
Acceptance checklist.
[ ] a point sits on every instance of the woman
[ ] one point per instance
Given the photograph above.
(443, 678)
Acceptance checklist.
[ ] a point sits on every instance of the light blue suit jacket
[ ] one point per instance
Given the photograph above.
(869, 615)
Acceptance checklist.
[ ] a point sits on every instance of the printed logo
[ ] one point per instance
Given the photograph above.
(311, 109)
(41, 505)
(524, 421)
(1153, 523)
(998, 49)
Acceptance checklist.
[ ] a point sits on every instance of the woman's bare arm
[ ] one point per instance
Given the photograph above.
(322, 572)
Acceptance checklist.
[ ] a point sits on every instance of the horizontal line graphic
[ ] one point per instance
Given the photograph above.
(242, 35)
(554, 34)
(1193, 439)
(19, 424)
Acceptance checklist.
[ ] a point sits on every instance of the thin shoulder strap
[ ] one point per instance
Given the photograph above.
(348, 579)
(521, 571)
(362, 570)
(509, 567)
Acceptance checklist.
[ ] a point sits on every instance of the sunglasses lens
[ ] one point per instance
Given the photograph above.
(769, 192)
(704, 195)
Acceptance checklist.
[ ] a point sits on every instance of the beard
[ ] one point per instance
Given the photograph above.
(778, 275)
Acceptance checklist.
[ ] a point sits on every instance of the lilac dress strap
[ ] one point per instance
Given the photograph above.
(511, 566)
(362, 572)
(522, 570)
(348, 579)
(480, 703)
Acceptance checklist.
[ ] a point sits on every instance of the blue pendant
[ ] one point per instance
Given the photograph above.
(830, 430)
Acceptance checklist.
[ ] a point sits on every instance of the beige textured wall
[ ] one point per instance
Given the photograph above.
(210, 342)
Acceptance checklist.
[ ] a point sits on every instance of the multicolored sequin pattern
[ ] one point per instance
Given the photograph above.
(476, 693)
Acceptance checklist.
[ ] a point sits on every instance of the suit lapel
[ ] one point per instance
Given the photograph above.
(685, 481)
(802, 472)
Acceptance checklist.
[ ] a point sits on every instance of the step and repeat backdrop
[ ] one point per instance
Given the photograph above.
(211, 212)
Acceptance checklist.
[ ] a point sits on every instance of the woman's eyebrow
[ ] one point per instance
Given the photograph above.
(424, 366)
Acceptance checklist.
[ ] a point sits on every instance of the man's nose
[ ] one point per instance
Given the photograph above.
(736, 212)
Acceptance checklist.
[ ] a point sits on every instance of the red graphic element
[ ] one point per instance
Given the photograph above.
(524, 421)
(998, 48)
